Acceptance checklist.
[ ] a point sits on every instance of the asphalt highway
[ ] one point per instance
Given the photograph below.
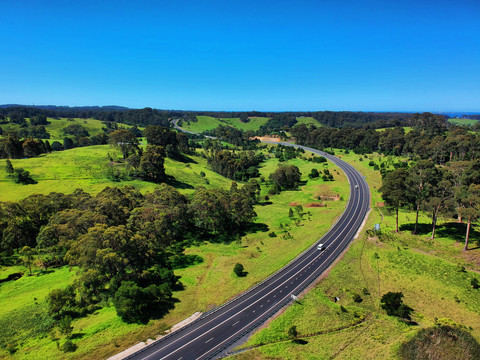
(214, 332)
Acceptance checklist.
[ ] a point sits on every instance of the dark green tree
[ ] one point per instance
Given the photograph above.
(9, 167)
(393, 304)
(152, 164)
(393, 191)
(239, 270)
(287, 177)
(125, 141)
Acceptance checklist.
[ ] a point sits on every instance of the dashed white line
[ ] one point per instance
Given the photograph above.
(208, 340)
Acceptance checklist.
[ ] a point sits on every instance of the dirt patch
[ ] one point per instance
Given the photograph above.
(315, 204)
(294, 203)
(328, 197)
(381, 204)
(266, 138)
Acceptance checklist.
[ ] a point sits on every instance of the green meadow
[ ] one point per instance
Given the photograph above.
(467, 122)
(56, 126)
(207, 284)
(434, 277)
(205, 123)
(308, 121)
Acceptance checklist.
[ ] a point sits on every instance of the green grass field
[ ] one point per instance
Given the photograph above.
(308, 121)
(406, 128)
(427, 272)
(56, 126)
(207, 285)
(85, 168)
(467, 122)
(205, 123)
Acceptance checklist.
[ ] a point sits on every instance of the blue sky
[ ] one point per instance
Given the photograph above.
(367, 55)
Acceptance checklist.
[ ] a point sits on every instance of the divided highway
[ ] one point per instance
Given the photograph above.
(215, 331)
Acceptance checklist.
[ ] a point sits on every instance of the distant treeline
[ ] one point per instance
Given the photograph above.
(149, 116)
(429, 139)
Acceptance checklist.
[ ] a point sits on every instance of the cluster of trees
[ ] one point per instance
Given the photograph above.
(20, 175)
(124, 243)
(238, 166)
(359, 140)
(236, 137)
(452, 190)
(283, 153)
(286, 177)
(13, 147)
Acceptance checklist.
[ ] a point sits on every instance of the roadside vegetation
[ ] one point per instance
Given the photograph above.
(342, 316)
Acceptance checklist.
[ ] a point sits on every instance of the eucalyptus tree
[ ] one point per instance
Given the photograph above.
(421, 180)
(394, 191)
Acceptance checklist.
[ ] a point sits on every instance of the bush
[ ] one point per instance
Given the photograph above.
(313, 174)
(272, 234)
(441, 342)
(23, 177)
(357, 298)
(393, 304)
(475, 284)
(69, 346)
(239, 270)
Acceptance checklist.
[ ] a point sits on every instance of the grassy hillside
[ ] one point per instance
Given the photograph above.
(207, 285)
(308, 121)
(427, 272)
(56, 126)
(86, 168)
(209, 123)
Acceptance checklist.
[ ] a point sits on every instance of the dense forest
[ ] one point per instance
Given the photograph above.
(429, 139)
(124, 244)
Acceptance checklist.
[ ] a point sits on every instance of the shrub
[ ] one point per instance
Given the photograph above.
(393, 304)
(272, 234)
(239, 270)
(475, 284)
(357, 298)
(69, 346)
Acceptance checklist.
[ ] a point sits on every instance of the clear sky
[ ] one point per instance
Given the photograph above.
(366, 55)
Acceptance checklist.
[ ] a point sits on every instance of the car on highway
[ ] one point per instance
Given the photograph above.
(320, 247)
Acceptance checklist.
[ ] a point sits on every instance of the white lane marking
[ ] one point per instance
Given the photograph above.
(209, 340)
(235, 323)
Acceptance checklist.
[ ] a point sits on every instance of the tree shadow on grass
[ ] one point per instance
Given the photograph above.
(422, 229)
(456, 231)
(300, 342)
(452, 230)
(178, 184)
(253, 228)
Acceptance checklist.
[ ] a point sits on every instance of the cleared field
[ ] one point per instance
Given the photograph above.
(406, 128)
(56, 126)
(86, 168)
(427, 272)
(467, 122)
(308, 121)
(205, 123)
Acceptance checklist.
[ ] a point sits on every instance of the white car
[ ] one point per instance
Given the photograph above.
(320, 247)
(356, 186)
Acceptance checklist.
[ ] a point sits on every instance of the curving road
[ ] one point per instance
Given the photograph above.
(212, 334)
